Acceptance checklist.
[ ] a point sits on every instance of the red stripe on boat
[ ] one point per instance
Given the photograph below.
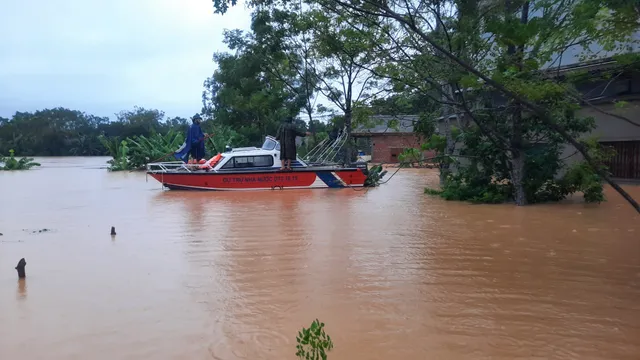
(239, 181)
(351, 177)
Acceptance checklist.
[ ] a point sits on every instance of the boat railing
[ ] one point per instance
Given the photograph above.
(326, 151)
(176, 166)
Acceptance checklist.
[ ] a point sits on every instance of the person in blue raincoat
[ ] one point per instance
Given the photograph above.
(194, 142)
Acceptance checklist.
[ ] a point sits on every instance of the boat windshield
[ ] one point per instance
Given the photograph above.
(269, 144)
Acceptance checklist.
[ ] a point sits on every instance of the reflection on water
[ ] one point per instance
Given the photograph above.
(234, 275)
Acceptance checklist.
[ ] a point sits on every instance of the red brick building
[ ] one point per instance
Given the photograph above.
(388, 137)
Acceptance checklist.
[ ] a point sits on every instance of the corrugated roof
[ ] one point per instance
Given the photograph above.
(387, 124)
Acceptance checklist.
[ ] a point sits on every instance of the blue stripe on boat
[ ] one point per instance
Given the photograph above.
(328, 178)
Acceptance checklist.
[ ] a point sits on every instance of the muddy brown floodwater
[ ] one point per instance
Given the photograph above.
(393, 273)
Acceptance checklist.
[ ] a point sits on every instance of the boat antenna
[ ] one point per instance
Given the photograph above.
(213, 144)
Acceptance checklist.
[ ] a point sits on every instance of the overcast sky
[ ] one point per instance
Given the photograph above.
(103, 56)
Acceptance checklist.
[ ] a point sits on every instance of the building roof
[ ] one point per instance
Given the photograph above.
(387, 124)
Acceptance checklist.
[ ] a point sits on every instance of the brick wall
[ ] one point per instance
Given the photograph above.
(386, 148)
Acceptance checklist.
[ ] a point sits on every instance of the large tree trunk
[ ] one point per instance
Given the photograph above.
(518, 156)
(445, 167)
(518, 159)
(348, 115)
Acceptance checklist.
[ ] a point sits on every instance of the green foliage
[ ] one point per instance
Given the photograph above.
(221, 136)
(313, 343)
(342, 49)
(11, 163)
(438, 143)
(242, 95)
(119, 153)
(475, 189)
(433, 192)
(65, 132)
(374, 176)
(135, 152)
(403, 103)
(156, 147)
(410, 156)
(581, 177)
(486, 176)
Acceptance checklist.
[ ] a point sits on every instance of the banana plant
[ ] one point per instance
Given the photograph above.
(118, 151)
(153, 148)
(11, 163)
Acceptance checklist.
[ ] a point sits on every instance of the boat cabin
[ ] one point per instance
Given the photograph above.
(252, 158)
(243, 159)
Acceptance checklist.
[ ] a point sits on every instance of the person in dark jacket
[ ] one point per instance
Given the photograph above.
(287, 138)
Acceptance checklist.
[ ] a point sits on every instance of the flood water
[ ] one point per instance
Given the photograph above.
(393, 273)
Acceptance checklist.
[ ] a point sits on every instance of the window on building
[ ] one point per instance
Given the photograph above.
(241, 162)
(395, 152)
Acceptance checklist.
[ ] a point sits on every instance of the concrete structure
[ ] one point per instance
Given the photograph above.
(387, 137)
(622, 137)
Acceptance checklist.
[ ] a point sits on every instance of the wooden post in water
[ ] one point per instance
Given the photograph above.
(113, 231)
(21, 264)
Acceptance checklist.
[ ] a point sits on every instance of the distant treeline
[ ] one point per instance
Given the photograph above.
(64, 132)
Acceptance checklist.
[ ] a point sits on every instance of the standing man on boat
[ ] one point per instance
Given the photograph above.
(287, 138)
(194, 142)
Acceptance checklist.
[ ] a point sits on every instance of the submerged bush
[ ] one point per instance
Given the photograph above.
(459, 187)
(11, 163)
(313, 343)
(486, 177)
(581, 178)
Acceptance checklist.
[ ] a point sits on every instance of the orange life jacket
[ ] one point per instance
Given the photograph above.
(212, 162)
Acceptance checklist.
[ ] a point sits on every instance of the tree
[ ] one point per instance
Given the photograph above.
(140, 121)
(507, 71)
(343, 50)
(63, 132)
(242, 95)
(48, 132)
(282, 37)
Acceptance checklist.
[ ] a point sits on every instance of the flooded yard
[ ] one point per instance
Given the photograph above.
(394, 273)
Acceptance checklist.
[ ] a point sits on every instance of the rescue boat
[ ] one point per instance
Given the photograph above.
(252, 168)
